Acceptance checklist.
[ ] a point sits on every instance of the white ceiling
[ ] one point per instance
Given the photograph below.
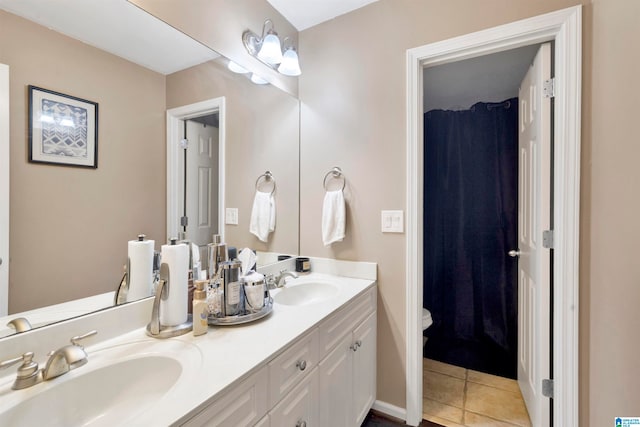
(303, 14)
(489, 78)
(120, 28)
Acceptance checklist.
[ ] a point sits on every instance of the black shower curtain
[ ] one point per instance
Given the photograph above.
(470, 223)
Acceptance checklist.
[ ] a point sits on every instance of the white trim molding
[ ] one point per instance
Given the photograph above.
(565, 28)
(4, 189)
(175, 176)
(389, 409)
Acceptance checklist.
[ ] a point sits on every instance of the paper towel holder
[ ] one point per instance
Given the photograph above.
(155, 329)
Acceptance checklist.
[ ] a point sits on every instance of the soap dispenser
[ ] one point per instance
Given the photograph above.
(200, 309)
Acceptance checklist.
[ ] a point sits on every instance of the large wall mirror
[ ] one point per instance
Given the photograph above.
(69, 226)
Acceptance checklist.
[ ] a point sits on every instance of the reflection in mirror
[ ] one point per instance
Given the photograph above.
(70, 227)
(200, 203)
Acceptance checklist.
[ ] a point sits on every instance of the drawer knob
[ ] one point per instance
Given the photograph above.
(301, 424)
(302, 365)
(355, 345)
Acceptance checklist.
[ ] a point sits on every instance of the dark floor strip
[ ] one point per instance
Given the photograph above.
(375, 419)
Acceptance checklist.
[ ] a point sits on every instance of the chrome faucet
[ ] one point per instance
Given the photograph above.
(279, 280)
(20, 324)
(66, 358)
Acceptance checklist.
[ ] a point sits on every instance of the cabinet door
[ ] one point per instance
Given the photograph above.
(300, 406)
(364, 369)
(335, 386)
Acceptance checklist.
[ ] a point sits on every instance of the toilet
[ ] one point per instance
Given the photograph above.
(426, 322)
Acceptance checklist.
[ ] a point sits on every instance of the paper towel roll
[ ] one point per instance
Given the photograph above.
(140, 272)
(173, 309)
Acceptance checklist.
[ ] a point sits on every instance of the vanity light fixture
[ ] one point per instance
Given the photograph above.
(267, 49)
(290, 65)
(236, 68)
(258, 80)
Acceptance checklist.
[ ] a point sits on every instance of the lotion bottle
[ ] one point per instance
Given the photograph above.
(200, 309)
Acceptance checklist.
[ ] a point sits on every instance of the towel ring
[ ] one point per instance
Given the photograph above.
(335, 173)
(266, 177)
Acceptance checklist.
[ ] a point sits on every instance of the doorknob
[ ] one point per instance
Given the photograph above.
(514, 253)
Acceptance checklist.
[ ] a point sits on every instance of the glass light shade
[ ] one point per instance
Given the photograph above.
(290, 65)
(258, 80)
(270, 51)
(236, 68)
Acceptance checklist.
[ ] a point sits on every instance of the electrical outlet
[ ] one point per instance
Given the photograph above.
(231, 216)
(392, 221)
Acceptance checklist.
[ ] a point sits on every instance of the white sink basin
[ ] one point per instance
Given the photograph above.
(306, 293)
(109, 393)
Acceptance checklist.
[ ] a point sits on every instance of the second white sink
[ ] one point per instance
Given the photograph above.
(306, 293)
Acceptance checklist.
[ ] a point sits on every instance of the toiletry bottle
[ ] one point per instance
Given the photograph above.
(215, 298)
(200, 309)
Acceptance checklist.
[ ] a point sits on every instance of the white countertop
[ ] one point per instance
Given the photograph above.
(226, 354)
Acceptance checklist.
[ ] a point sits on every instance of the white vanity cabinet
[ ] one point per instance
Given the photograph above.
(300, 407)
(325, 378)
(348, 372)
(244, 405)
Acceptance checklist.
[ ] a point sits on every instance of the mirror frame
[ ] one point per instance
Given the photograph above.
(175, 179)
(4, 189)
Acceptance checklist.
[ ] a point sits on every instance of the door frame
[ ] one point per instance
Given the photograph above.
(175, 176)
(4, 189)
(564, 27)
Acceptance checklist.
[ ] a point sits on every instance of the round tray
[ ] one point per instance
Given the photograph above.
(242, 318)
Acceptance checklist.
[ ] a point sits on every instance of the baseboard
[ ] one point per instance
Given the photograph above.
(390, 410)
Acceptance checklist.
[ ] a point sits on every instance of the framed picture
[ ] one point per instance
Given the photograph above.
(63, 129)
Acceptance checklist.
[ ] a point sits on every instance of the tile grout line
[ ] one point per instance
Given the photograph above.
(464, 397)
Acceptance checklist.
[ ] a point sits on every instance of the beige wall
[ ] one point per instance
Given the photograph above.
(69, 226)
(353, 115)
(262, 133)
(219, 24)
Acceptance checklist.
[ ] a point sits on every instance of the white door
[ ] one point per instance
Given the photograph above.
(202, 182)
(4, 189)
(533, 218)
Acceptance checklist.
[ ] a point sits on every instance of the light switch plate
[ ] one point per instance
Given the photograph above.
(231, 216)
(392, 221)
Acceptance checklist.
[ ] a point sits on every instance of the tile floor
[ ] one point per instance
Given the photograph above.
(457, 397)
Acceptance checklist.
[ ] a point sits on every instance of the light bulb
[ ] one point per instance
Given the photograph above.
(258, 80)
(270, 51)
(236, 68)
(290, 65)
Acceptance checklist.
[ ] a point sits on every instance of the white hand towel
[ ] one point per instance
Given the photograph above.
(333, 217)
(263, 215)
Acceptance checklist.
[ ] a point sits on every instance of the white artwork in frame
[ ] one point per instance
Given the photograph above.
(63, 129)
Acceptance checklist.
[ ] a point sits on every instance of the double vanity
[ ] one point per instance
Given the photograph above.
(311, 362)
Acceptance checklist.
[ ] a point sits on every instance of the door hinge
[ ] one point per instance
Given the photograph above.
(547, 239)
(549, 88)
(184, 221)
(547, 388)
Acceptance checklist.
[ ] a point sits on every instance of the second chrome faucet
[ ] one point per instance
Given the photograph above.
(66, 358)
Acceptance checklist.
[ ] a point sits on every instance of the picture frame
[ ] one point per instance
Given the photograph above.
(63, 129)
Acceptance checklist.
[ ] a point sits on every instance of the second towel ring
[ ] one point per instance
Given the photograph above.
(336, 173)
(266, 177)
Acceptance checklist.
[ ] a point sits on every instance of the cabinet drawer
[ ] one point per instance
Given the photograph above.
(299, 406)
(243, 405)
(286, 370)
(344, 321)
